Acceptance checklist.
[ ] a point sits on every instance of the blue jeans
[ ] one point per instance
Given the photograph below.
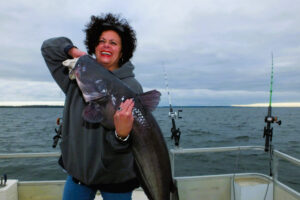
(74, 191)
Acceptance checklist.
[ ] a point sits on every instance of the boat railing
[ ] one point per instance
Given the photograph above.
(277, 155)
(29, 155)
(173, 152)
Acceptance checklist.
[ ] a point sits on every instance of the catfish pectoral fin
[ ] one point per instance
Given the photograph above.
(92, 113)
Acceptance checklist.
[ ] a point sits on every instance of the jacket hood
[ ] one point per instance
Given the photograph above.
(125, 71)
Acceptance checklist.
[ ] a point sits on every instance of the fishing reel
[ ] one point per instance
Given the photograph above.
(174, 115)
(272, 120)
(268, 130)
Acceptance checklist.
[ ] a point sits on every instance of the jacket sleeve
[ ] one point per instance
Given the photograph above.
(53, 51)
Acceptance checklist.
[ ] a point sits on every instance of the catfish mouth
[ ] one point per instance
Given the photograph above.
(78, 71)
(95, 97)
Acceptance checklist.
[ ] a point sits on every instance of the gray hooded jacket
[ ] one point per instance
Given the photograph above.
(90, 153)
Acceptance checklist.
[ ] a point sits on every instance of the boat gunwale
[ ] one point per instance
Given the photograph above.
(176, 151)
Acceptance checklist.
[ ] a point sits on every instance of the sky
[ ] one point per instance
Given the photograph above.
(214, 52)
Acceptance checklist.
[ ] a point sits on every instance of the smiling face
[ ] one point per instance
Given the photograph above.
(109, 50)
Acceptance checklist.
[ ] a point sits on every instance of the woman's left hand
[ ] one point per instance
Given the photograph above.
(123, 118)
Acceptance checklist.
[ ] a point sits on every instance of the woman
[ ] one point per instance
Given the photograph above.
(96, 158)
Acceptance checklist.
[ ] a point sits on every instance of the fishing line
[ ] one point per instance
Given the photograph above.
(267, 191)
(167, 86)
(271, 85)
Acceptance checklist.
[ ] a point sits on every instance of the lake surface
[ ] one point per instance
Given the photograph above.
(32, 129)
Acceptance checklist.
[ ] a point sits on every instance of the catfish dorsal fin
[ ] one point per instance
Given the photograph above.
(150, 99)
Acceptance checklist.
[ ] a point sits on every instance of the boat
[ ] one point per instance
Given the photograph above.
(234, 186)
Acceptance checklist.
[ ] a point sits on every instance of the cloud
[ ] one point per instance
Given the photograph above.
(215, 52)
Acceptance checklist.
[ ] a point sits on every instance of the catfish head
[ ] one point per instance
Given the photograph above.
(97, 93)
(103, 92)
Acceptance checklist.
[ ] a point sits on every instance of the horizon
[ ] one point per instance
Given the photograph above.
(61, 103)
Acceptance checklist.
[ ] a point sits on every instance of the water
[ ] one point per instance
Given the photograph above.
(32, 130)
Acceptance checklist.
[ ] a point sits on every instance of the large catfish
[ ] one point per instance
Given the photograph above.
(104, 92)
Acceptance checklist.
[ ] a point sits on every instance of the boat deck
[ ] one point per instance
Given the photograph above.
(138, 194)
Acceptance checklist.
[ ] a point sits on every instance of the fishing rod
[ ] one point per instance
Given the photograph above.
(269, 119)
(172, 114)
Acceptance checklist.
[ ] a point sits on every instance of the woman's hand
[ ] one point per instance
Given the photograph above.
(76, 53)
(123, 118)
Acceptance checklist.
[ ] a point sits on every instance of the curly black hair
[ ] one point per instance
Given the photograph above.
(109, 21)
